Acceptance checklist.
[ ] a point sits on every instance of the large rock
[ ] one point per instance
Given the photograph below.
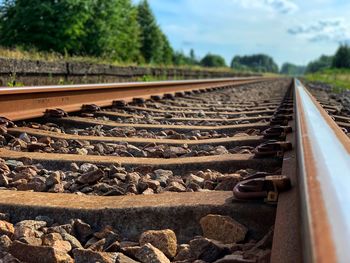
(194, 179)
(35, 254)
(72, 240)
(82, 230)
(121, 258)
(91, 177)
(184, 253)
(208, 250)
(227, 182)
(6, 228)
(27, 231)
(223, 229)
(33, 224)
(150, 254)
(89, 256)
(4, 181)
(164, 240)
(4, 169)
(175, 187)
(5, 243)
(55, 240)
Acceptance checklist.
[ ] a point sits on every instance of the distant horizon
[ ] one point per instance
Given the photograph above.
(289, 31)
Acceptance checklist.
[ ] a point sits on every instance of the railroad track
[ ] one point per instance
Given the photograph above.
(230, 170)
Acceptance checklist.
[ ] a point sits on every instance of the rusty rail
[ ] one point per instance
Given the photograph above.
(324, 166)
(31, 102)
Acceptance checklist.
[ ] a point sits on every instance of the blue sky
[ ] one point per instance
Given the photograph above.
(296, 31)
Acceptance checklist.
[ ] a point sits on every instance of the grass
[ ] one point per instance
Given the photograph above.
(338, 78)
(20, 53)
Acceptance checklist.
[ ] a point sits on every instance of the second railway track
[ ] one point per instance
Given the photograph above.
(191, 171)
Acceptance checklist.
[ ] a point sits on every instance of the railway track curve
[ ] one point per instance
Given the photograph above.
(222, 170)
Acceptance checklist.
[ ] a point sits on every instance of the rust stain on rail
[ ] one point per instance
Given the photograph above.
(321, 238)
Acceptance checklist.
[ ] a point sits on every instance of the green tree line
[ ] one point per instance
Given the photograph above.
(257, 63)
(341, 59)
(103, 28)
(114, 29)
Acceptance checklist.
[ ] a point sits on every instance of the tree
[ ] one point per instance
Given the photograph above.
(342, 57)
(44, 24)
(292, 70)
(321, 63)
(113, 30)
(211, 60)
(151, 36)
(167, 51)
(258, 62)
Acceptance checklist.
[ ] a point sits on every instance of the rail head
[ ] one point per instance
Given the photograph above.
(121, 85)
(324, 174)
(31, 102)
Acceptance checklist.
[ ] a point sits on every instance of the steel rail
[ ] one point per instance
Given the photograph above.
(324, 166)
(31, 102)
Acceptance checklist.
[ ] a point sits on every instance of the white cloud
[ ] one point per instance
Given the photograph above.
(325, 30)
(280, 6)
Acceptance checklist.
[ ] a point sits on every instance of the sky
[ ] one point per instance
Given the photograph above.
(295, 31)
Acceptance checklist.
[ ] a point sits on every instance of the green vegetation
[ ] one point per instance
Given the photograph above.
(257, 63)
(98, 31)
(155, 46)
(333, 70)
(292, 70)
(338, 78)
(324, 62)
(213, 61)
(342, 57)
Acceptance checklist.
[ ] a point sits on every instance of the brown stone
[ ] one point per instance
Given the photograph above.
(45, 140)
(5, 243)
(31, 240)
(91, 177)
(3, 180)
(42, 254)
(55, 240)
(82, 230)
(72, 240)
(223, 229)
(176, 187)
(121, 258)
(227, 182)
(106, 231)
(208, 250)
(4, 169)
(54, 178)
(34, 224)
(38, 184)
(150, 254)
(18, 142)
(164, 240)
(87, 256)
(6, 228)
(184, 253)
(130, 251)
(98, 246)
(114, 247)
